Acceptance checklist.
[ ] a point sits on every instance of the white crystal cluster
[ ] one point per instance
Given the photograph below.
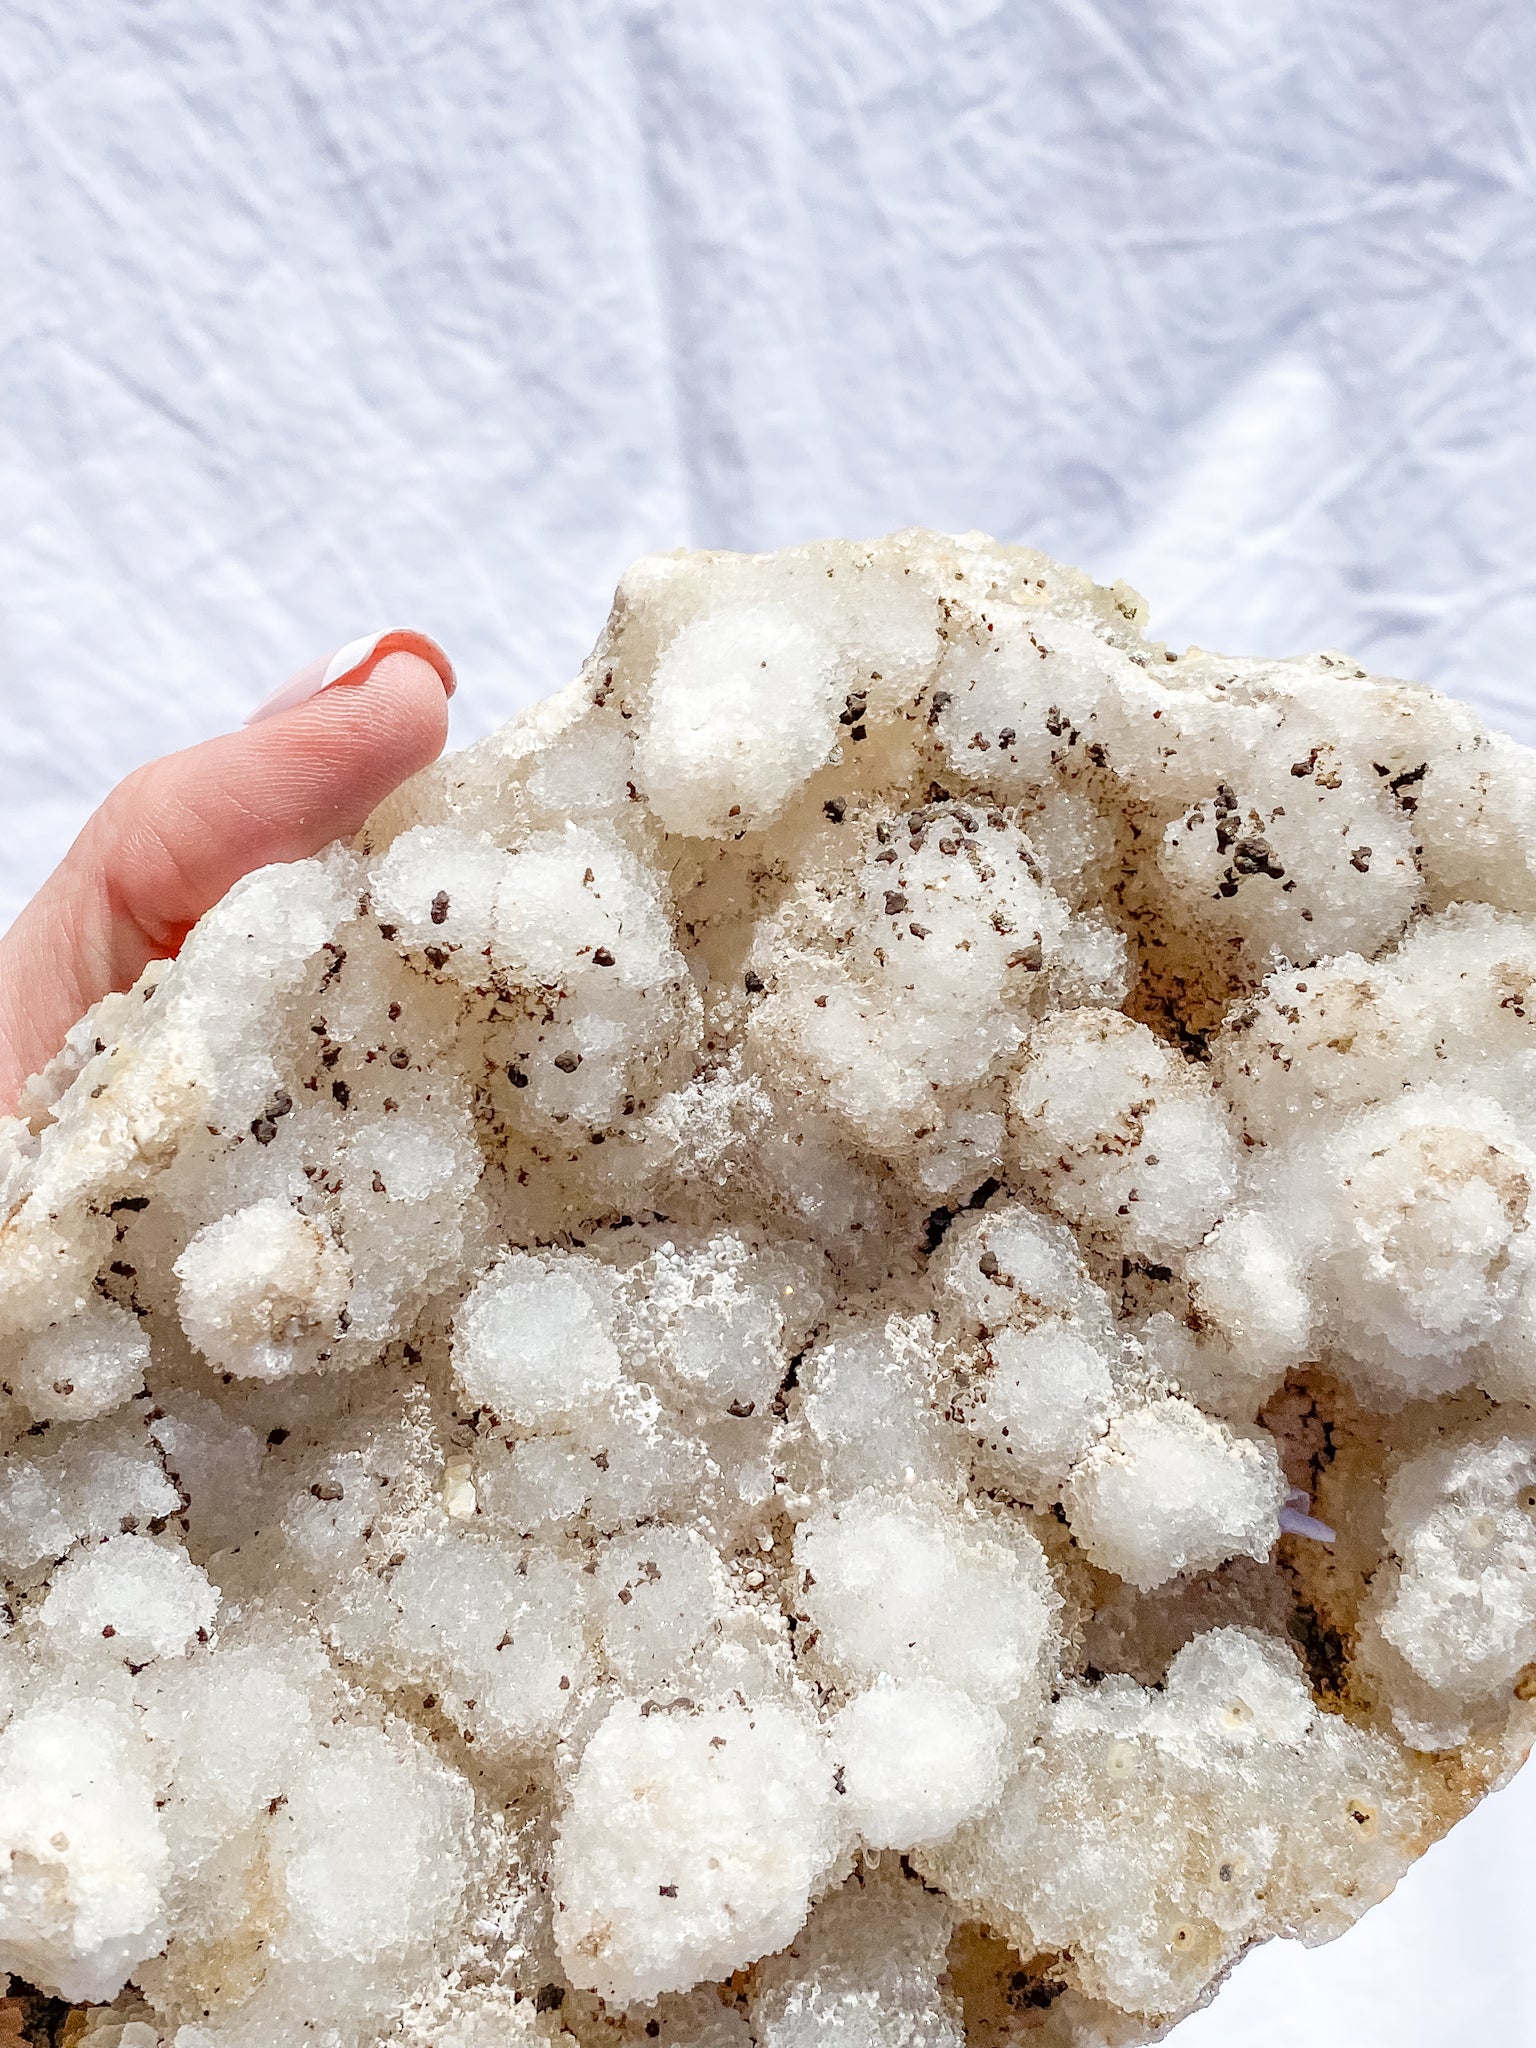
(839, 1344)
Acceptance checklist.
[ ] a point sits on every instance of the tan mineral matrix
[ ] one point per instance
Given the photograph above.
(837, 1345)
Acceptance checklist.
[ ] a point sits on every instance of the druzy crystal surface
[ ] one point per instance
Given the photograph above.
(838, 1344)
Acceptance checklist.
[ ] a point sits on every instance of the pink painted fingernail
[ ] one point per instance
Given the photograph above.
(353, 663)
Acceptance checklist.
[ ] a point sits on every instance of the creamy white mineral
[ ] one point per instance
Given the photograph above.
(839, 1343)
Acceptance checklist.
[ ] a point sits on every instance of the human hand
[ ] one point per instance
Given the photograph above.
(307, 768)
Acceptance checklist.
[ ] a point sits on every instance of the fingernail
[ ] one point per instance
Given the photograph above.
(353, 663)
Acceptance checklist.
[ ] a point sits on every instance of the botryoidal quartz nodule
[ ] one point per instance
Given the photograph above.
(839, 1338)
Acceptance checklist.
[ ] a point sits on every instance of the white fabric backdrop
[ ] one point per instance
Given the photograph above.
(320, 315)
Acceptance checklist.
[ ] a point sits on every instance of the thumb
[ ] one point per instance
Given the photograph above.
(175, 835)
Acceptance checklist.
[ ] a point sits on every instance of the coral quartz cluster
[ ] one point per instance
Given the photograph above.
(838, 1344)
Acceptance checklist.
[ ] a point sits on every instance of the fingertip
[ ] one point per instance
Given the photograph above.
(180, 832)
(420, 702)
(177, 834)
(364, 738)
(352, 665)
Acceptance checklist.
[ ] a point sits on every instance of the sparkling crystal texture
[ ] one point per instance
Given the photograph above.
(838, 1344)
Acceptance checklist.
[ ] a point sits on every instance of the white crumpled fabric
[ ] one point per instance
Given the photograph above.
(317, 319)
